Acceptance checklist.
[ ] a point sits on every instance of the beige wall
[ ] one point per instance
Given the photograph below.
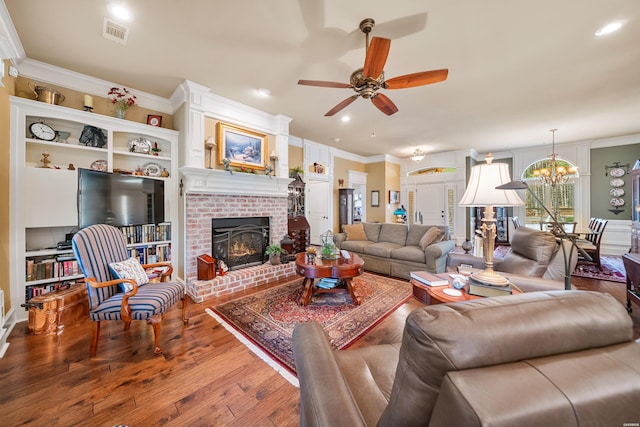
(101, 105)
(392, 182)
(376, 182)
(382, 177)
(5, 91)
(341, 168)
(296, 157)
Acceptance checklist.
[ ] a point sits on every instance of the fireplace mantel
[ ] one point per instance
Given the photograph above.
(214, 181)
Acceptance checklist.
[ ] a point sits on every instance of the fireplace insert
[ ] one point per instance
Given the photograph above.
(240, 242)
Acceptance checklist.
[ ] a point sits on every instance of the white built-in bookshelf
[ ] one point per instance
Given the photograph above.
(43, 200)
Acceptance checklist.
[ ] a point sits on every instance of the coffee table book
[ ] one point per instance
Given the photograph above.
(483, 290)
(428, 279)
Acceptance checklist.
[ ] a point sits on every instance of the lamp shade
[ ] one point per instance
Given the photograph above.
(481, 190)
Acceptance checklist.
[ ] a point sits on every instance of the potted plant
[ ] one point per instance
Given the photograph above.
(274, 251)
(295, 171)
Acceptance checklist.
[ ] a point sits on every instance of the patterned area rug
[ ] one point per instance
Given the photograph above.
(612, 270)
(267, 318)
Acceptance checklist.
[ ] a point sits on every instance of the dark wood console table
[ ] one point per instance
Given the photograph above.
(632, 269)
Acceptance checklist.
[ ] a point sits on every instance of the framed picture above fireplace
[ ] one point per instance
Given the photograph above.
(244, 148)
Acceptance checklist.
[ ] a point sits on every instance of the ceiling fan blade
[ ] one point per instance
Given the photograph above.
(384, 104)
(322, 83)
(343, 104)
(417, 79)
(377, 53)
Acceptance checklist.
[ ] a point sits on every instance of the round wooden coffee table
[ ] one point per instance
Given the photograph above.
(340, 268)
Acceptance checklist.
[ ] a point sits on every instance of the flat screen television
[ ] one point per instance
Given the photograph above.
(117, 199)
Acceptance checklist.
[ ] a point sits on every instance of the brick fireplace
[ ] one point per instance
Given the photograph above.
(213, 194)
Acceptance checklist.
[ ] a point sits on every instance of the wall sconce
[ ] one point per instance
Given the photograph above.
(210, 143)
(274, 156)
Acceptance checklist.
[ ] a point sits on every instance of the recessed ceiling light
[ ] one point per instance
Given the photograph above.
(263, 92)
(609, 28)
(345, 119)
(120, 11)
(336, 140)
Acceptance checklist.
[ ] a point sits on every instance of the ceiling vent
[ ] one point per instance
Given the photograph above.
(116, 32)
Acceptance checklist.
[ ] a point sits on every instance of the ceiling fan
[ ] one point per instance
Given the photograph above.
(368, 80)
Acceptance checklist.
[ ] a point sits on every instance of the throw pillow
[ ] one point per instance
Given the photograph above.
(129, 269)
(355, 231)
(431, 236)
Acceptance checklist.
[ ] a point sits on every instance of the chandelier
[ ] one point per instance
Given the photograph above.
(418, 155)
(554, 171)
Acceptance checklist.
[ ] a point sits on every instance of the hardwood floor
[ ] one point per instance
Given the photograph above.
(205, 377)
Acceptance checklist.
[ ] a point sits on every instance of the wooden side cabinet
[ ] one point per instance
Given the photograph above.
(635, 208)
(632, 269)
(345, 203)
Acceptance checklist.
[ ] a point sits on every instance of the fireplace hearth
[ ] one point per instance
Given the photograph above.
(240, 242)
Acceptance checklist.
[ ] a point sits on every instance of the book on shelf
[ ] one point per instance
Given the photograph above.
(327, 283)
(485, 290)
(428, 279)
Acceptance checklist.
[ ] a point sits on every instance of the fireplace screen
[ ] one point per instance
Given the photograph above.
(240, 242)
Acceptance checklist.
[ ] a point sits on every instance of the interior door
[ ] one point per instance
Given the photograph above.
(430, 204)
(317, 201)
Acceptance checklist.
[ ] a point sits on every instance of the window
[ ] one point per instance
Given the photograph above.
(558, 199)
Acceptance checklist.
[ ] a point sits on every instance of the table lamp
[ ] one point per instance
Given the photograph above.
(481, 191)
(559, 231)
(400, 214)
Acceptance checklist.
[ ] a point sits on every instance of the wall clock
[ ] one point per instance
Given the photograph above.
(42, 131)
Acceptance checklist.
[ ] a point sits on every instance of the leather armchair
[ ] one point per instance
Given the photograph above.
(542, 358)
(535, 262)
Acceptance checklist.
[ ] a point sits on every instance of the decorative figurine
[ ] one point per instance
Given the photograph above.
(45, 160)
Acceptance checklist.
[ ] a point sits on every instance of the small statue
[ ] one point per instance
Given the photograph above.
(71, 167)
(45, 160)
(268, 170)
(226, 162)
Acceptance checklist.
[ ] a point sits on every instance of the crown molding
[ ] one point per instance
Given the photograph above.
(10, 44)
(47, 73)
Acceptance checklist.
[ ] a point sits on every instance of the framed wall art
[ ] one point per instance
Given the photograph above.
(375, 198)
(394, 196)
(153, 120)
(242, 147)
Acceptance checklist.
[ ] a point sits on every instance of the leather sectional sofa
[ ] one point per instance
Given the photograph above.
(554, 358)
(396, 249)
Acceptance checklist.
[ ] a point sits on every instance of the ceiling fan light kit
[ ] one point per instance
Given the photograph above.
(366, 81)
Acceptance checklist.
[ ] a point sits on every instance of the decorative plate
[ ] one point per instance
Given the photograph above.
(616, 182)
(99, 165)
(617, 172)
(140, 145)
(152, 169)
(617, 201)
(452, 292)
(616, 192)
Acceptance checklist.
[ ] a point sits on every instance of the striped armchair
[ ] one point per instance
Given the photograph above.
(113, 298)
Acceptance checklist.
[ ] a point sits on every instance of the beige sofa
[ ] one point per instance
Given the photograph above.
(397, 249)
(554, 358)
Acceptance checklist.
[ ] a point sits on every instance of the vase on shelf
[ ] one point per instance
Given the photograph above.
(120, 112)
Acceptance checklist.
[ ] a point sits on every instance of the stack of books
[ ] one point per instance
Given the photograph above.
(327, 283)
(428, 279)
(486, 290)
